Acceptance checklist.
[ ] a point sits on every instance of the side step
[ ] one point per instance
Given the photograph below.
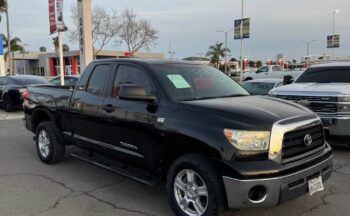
(132, 172)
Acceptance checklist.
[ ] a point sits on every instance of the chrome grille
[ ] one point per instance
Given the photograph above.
(294, 147)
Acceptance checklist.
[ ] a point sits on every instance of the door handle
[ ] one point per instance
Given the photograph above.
(108, 108)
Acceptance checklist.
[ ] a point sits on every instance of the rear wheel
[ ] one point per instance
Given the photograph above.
(194, 188)
(50, 150)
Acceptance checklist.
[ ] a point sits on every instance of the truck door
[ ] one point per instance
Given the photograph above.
(128, 125)
(86, 106)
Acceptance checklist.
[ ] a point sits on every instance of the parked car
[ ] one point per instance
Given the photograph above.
(70, 81)
(325, 89)
(10, 87)
(261, 86)
(270, 72)
(216, 146)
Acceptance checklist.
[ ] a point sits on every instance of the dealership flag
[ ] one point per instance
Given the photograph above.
(61, 26)
(56, 16)
(52, 16)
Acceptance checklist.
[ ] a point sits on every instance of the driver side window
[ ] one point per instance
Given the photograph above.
(130, 75)
(263, 69)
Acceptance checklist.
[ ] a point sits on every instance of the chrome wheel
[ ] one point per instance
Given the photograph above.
(44, 143)
(191, 193)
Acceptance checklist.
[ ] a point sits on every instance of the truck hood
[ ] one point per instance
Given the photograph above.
(322, 89)
(247, 112)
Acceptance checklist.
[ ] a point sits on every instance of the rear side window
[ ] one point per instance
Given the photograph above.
(97, 80)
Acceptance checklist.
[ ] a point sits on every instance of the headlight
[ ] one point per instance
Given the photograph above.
(344, 99)
(344, 108)
(248, 140)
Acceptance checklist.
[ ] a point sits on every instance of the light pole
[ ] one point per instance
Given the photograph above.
(241, 34)
(9, 51)
(307, 45)
(226, 33)
(24, 51)
(334, 13)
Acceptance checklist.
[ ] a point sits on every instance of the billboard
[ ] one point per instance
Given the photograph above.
(246, 28)
(333, 41)
(52, 16)
(1, 45)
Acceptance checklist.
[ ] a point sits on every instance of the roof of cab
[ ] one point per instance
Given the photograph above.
(333, 64)
(149, 61)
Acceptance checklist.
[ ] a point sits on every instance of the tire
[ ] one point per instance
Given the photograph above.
(211, 205)
(49, 149)
(7, 104)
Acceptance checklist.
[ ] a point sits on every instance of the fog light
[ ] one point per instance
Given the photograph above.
(257, 194)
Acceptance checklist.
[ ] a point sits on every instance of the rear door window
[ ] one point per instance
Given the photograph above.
(98, 79)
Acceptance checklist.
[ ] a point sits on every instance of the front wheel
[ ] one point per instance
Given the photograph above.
(50, 150)
(7, 104)
(194, 188)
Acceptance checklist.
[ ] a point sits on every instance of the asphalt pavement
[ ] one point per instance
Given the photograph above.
(29, 187)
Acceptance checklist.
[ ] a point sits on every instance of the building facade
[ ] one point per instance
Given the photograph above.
(47, 64)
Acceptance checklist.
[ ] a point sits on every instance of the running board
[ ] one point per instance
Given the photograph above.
(117, 167)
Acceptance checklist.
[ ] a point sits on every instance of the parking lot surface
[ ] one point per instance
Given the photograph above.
(29, 187)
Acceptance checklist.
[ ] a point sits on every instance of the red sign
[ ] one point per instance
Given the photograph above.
(52, 16)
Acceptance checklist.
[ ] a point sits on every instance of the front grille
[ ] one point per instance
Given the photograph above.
(318, 104)
(294, 147)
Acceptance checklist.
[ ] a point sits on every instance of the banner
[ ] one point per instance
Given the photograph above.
(1, 45)
(61, 26)
(333, 41)
(52, 16)
(246, 28)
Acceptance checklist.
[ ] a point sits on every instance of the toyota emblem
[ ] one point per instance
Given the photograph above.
(308, 139)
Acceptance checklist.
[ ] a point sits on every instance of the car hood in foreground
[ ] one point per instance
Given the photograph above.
(248, 112)
(322, 89)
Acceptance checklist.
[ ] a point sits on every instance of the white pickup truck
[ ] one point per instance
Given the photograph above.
(270, 71)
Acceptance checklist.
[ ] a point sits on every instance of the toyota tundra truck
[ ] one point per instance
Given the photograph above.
(188, 125)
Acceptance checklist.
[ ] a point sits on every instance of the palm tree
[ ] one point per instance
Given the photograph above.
(15, 43)
(216, 52)
(3, 7)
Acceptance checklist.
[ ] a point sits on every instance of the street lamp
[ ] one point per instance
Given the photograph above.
(308, 45)
(334, 13)
(226, 33)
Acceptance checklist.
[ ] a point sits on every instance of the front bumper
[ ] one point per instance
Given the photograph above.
(278, 189)
(336, 125)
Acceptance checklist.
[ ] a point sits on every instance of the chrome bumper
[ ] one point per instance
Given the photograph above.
(277, 190)
(336, 125)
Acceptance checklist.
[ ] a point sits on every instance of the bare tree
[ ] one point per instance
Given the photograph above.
(136, 33)
(105, 27)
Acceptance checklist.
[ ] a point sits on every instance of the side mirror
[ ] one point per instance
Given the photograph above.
(136, 93)
(288, 79)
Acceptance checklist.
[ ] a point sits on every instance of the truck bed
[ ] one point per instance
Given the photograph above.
(49, 96)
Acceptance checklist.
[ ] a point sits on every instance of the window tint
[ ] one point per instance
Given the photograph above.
(130, 75)
(256, 88)
(98, 79)
(276, 68)
(2, 81)
(326, 75)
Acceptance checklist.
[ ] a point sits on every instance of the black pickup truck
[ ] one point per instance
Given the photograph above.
(215, 146)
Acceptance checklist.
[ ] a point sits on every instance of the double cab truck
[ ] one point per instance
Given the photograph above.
(325, 89)
(270, 72)
(185, 124)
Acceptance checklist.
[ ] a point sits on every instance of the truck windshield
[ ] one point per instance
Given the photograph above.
(184, 82)
(325, 75)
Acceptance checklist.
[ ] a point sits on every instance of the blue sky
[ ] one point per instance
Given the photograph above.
(277, 26)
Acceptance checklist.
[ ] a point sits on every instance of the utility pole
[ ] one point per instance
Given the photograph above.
(226, 33)
(241, 33)
(308, 46)
(334, 13)
(9, 50)
(171, 53)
